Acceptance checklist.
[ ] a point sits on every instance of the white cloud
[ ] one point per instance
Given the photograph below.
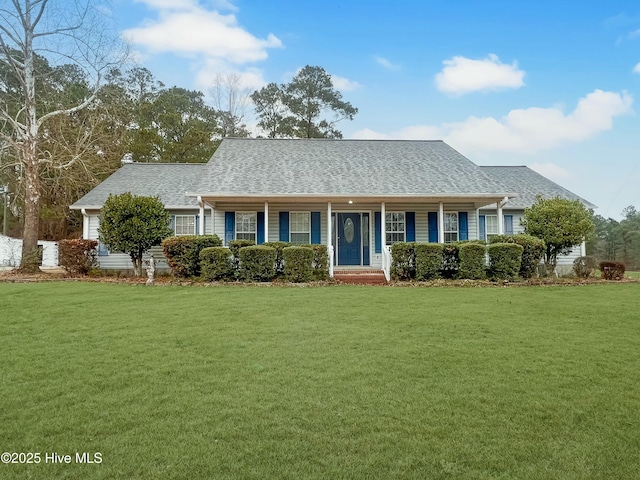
(386, 63)
(464, 75)
(524, 130)
(636, 69)
(344, 84)
(185, 28)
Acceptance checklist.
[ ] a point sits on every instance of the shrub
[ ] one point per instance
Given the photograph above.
(612, 270)
(320, 261)
(504, 260)
(472, 261)
(257, 263)
(450, 260)
(77, 255)
(279, 248)
(584, 267)
(235, 246)
(298, 264)
(183, 253)
(532, 253)
(216, 263)
(403, 261)
(428, 260)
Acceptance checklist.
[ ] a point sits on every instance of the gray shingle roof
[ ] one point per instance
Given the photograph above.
(170, 181)
(341, 167)
(529, 185)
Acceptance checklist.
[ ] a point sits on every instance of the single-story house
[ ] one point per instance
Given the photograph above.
(358, 197)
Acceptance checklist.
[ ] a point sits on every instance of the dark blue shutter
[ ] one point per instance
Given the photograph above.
(102, 250)
(433, 226)
(411, 226)
(483, 227)
(284, 226)
(229, 226)
(197, 225)
(260, 228)
(315, 228)
(463, 226)
(508, 224)
(377, 226)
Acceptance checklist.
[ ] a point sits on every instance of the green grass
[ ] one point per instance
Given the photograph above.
(334, 382)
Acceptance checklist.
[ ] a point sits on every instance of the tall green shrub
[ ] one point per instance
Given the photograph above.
(298, 264)
(257, 263)
(183, 253)
(216, 264)
(472, 261)
(504, 260)
(279, 248)
(235, 246)
(403, 261)
(450, 260)
(320, 261)
(428, 260)
(532, 253)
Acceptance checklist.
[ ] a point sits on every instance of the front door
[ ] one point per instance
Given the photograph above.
(349, 239)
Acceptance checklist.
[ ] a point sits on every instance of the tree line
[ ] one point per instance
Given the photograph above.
(617, 240)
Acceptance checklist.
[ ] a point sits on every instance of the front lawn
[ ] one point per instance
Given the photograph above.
(244, 382)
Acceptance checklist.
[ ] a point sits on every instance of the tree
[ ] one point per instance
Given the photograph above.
(133, 224)
(230, 99)
(64, 33)
(561, 223)
(307, 107)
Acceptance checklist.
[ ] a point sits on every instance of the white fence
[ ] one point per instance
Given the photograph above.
(11, 252)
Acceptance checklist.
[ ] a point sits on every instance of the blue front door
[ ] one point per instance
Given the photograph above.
(349, 239)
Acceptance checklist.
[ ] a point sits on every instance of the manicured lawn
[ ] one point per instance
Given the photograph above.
(334, 382)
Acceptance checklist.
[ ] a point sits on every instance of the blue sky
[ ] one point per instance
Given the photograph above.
(548, 84)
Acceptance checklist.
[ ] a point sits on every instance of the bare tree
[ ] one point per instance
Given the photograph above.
(231, 100)
(36, 35)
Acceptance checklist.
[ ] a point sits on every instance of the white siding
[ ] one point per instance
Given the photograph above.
(11, 252)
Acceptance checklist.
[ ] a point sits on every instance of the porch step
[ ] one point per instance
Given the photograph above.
(360, 277)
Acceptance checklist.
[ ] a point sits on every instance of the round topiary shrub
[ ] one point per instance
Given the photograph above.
(298, 264)
(584, 267)
(403, 261)
(533, 250)
(216, 264)
(612, 270)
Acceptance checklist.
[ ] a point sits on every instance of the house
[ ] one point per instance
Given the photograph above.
(358, 197)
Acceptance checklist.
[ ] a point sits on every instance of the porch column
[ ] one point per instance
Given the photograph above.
(500, 219)
(329, 232)
(266, 221)
(383, 225)
(200, 226)
(213, 218)
(441, 222)
(85, 224)
(477, 224)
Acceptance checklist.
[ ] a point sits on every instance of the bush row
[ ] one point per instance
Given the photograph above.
(262, 263)
(465, 260)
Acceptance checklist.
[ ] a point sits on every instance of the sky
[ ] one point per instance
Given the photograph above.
(547, 84)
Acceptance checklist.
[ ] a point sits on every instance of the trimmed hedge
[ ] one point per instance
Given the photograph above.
(183, 253)
(403, 261)
(216, 263)
(428, 260)
(320, 261)
(584, 267)
(504, 260)
(612, 270)
(77, 255)
(533, 250)
(450, 261)
(298, 264)
(472, 261)
(235, 246)
(257, 263)
(279, 248)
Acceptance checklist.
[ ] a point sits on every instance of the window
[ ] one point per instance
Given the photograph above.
(491, 226)
(300, 228)
(395, 227)
(450, 227)
(185, 225)
(246, 226)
